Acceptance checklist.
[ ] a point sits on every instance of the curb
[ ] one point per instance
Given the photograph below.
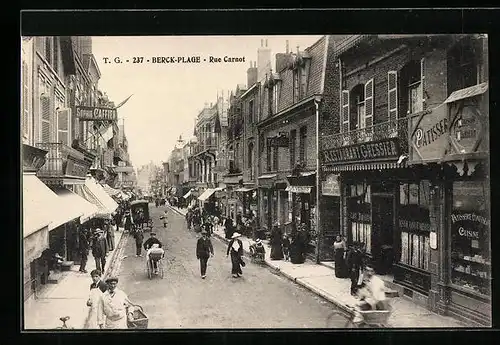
(114, 258)
(297, 281)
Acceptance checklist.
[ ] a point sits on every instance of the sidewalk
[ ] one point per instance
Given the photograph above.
(66, 298)
(320, 279)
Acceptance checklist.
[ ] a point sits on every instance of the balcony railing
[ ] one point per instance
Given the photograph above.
(209, 143)
(386, 130)
(56, 160)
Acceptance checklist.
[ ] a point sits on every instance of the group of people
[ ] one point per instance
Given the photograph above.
(96, 236)
(109, 307)
(291, 246)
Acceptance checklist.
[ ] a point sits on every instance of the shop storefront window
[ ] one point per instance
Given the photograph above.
(414, 223)
(359, 213)
(470, 236)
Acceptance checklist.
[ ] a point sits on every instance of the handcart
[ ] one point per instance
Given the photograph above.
(140, 213)
(138, 320)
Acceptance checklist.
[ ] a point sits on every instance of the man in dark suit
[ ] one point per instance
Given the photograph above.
(84, 246)
(97, 282)
(99, 248)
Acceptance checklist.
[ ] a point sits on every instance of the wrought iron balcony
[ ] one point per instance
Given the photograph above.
(63, 162)
(209, 143)
(391, 129)
(120, 154)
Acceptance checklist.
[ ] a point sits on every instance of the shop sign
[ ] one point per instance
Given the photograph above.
(331, 185)
(468, 225)
(429, 135)
(382, 149)
(96, 113)
(75, 168)
(467, 129)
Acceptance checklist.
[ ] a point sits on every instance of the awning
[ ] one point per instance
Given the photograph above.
(364, 166)
(206, 194)
(299, 189)
(467, 92)
(244, 189)
(187, 195)
(267, 176)
(38, 204)
(96, 189)
(53, 212)
(111, 191)
(86, 193)
(74, 201)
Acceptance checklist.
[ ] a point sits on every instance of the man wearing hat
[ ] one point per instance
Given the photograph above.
(113, 307)
(204, 250)
(99, 249)
(235, 247)
(257, 250)
(150, 242)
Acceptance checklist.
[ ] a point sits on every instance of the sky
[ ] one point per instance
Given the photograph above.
(167, 97)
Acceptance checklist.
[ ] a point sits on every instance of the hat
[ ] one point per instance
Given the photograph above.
(257, 240)
(235, 235)
(112, 279)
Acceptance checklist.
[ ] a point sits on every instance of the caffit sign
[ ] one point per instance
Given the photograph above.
(96, 113)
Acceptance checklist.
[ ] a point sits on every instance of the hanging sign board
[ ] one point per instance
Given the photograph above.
(96, 113)
(331, 186)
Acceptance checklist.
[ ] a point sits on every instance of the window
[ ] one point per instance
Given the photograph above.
(344, 104)
(303, 144)
(44, 110)
(48, 49)
(250, 159)
(268, 155)
(275, 97)
(251, 112)
(55, 63)
(237, 156)
(25, 101)
(463, 65)
(470, 236)
(359, 213)
(303, 81)
(275, 158)
(414, 223)
(293, 143)
(296, 86)
(392, 98)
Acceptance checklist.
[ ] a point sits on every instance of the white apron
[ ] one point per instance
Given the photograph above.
(94, 297)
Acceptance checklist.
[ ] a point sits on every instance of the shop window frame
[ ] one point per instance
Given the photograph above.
(362, 192)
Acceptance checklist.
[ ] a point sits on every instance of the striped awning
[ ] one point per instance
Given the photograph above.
(364, 166)
(111, 191)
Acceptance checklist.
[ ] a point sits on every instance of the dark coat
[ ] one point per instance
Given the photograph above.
(83, 242)
(150, 241)
(230, 247)
(99, 247)
(101, 285)
(139, 236)
(204, 248)
(354, 259)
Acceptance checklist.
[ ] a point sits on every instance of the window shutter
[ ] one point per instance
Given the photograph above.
(63, 126)
(369, 103)
(345, 112)
(392, 96)
(25, 95)
(303, 81)
(422, 82)
(45, 130)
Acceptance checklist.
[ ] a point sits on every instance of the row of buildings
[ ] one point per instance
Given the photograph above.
(74, 152)
(382, 139)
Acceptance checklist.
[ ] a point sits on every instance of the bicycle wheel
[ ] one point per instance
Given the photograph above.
(334, 319)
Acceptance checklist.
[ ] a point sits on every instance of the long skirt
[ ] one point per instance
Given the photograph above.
(276, 251)
(340, 264)
(236, 264)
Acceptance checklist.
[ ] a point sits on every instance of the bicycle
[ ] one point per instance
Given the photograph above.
(371, 318)
(64, 325)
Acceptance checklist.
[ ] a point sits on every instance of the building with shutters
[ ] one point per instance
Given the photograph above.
(404, 149)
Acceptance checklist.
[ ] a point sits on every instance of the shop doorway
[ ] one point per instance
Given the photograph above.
(383, 232)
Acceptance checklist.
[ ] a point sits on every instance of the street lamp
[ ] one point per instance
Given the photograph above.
(317, 103)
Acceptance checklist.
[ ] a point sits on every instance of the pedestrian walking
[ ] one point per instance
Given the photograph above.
(229, 228)
(139, 237)
(128, 222)
(286, 246)
(208, 226)
(204, 250)
(83, 247)
(189, 218)
(235, 248)
(114, 307)
(97, 288)
(110, 234)
(99, 250)
(164, 217)
(355, 266)
(276, 244)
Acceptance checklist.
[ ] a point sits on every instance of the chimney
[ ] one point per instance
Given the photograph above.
(263, 62)
(262, 43)
(251, 75)
(266, 42)
(287, 47)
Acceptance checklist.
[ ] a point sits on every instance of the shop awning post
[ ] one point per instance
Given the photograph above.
(317, 102)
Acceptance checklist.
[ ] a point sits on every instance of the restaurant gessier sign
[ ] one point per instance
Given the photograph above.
(96, 113)
(388, 148)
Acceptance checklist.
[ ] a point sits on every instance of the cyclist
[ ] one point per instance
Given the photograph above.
(371, 294)
(153, 244)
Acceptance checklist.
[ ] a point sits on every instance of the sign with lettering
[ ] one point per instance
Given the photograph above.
(387, 148)
(468, 225)
(429, 135)
(467, 129)
(75, 168)
(331, 185)
(96, 113)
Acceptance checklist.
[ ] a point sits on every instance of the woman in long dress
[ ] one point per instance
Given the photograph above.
(276, 244)
(235, 247)
(339, 247)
